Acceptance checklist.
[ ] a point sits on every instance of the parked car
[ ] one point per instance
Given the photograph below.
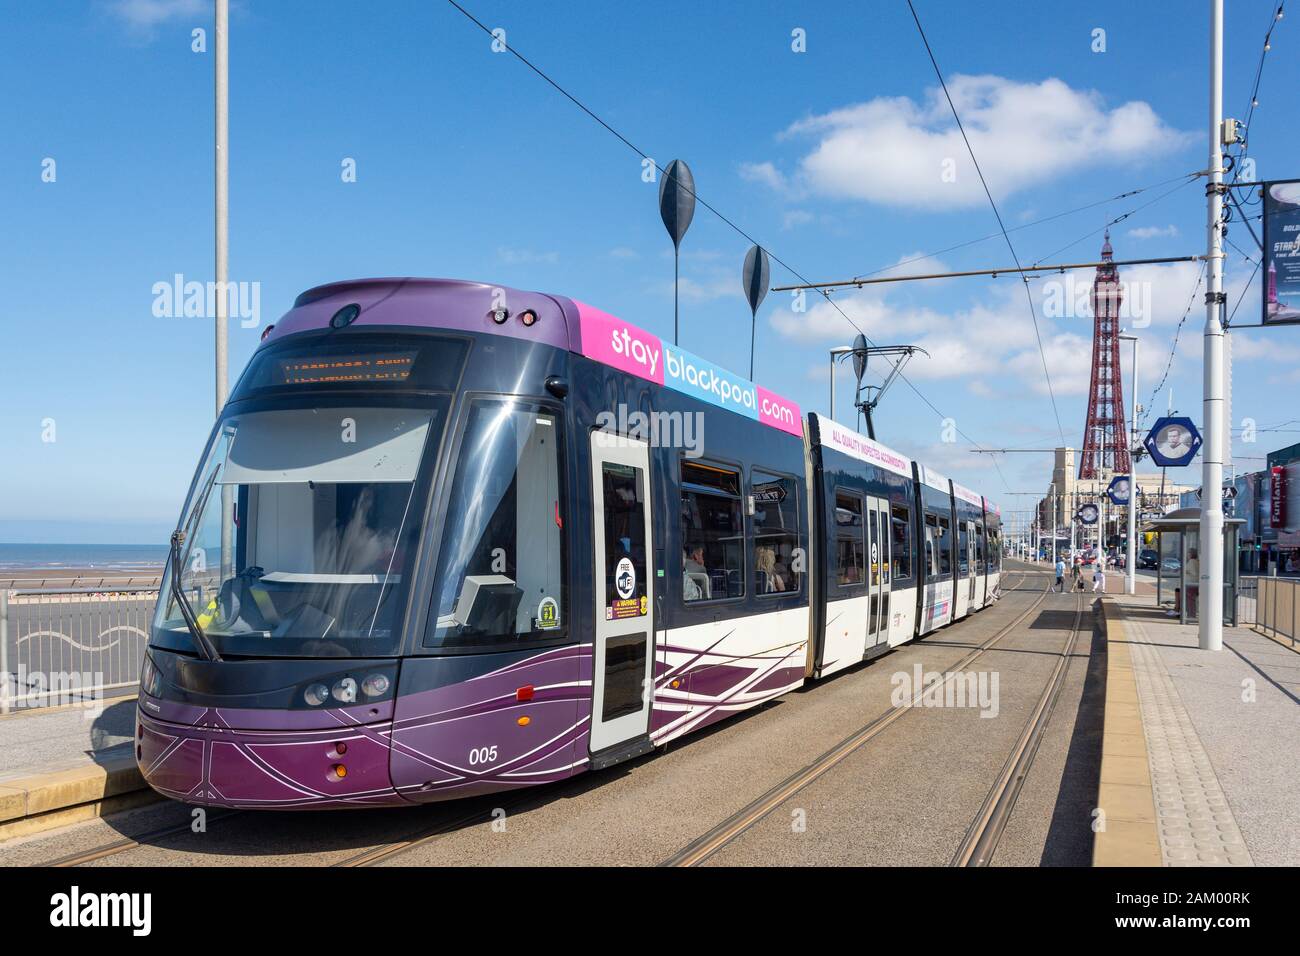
(1170, 566)
(1149, 559)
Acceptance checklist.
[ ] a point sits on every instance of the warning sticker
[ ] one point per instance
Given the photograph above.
(632, 607)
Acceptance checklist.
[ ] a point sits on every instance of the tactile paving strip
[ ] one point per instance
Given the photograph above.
(1195, 823)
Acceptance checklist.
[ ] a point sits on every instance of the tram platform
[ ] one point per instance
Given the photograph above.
(1199, 751)
(59, 765)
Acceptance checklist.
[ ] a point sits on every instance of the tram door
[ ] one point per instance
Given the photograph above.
(972, 568)
(624, 591)
(878, 561)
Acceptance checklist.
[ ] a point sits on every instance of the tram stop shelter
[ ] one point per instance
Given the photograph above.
(1178, 570)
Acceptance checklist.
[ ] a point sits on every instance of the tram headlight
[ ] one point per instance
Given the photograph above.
(316, 694)
(345, 690)
(150, 678)
(376, 685)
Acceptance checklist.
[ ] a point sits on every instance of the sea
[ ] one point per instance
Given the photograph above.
(99, 557)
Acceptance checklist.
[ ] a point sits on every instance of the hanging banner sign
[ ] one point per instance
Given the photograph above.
(1089, 514)
(1277, 497)
(1282, 253)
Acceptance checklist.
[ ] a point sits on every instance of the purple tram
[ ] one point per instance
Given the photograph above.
(447, 539)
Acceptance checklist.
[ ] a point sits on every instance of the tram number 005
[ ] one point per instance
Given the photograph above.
(482, 755)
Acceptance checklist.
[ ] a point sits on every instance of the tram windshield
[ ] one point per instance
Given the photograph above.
(501, 574)
(301, 531)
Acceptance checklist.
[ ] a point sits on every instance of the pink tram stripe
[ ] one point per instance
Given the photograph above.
(621, 345)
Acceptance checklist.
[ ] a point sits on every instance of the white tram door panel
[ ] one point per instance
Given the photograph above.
(879, 568)
(972, 567)
(624, 649)
(961, 594)
(902, 616)
(844, 643)
(964, 598)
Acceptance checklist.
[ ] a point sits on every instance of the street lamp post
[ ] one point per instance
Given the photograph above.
(1130, 557)
(1210, 624)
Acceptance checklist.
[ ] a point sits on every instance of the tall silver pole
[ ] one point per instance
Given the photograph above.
(1130, 559)
(1074, 527)
(221, 196)
(1210, 616)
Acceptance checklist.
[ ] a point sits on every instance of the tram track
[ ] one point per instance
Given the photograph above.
(713, 840)
(983, 836)
(486, 811)
(450, 823)
(130, 843)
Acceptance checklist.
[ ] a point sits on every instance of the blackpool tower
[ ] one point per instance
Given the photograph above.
(1105, 442)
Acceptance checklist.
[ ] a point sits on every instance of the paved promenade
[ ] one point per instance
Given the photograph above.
(64, 738)
(1223, 740)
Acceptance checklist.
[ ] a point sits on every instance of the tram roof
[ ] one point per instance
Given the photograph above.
(565, 323)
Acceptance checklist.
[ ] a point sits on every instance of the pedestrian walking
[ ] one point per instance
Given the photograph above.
(1060, 574)
(1099, 581)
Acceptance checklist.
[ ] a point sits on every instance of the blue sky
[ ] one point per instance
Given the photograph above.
(470, 166)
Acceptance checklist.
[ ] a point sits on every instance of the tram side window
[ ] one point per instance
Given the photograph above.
(979, 549)
(849, 550)
(713, 533)
(963, 540)
(501, 567)
(900, 520)
(945, 547)
(776, 533)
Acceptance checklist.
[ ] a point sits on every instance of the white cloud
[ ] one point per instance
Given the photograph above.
(893, 150)
(1153, 232)
(765, 173)
(623, 252)
(796, 217)
(145, 16)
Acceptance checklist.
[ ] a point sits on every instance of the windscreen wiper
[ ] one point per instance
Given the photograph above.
(201, 640)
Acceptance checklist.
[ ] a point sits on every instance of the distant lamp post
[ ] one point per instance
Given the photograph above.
(677, 209)
(755, 276)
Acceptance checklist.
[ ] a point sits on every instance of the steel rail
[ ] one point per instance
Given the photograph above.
(729, 829)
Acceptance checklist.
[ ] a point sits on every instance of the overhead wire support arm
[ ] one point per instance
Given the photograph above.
(861, 352)
(1012, 270)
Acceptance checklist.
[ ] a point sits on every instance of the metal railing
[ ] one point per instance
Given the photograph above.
(71, 644)
(1277, 608)
(101, 582)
